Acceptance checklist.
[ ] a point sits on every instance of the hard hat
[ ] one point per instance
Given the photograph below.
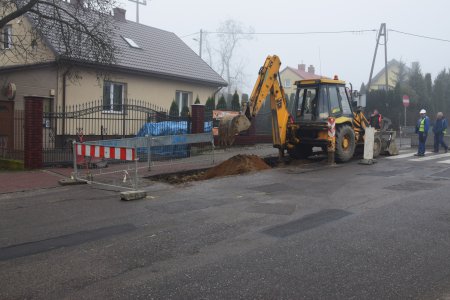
(423, 111)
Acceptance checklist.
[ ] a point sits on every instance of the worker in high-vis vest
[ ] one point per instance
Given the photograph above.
(422, 126)
(439, 130)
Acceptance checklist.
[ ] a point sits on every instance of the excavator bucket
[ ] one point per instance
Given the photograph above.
(392, 149)
(389, 144)
(229, 126)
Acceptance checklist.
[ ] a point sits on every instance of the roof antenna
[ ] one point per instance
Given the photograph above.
(138, 2)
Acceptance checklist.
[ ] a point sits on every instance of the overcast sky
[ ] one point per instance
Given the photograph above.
(349, 55)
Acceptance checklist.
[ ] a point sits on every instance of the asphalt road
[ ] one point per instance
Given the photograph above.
(298, 232)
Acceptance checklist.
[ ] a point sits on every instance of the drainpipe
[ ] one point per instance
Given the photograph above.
(215, 93)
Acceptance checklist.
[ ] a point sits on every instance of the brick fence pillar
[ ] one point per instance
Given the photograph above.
(33, 132)
(198, 118)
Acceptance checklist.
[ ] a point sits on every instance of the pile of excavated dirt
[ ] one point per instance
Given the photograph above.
(238, 164)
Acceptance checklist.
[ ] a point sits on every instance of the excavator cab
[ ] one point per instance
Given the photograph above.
(318, 99)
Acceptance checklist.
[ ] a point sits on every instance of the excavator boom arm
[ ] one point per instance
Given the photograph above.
(268, 82)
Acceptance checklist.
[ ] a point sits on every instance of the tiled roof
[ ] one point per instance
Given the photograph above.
(303, 74)
(161, 53)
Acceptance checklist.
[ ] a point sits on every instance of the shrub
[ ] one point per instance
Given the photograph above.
(222, 104)
(235, 105)
(210, 104)
(174, 110)
(185, 112)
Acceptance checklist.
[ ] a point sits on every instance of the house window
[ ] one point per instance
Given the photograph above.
(130, 42)
(113, 95)
(287, 83)
(183, 99)
(7, 37)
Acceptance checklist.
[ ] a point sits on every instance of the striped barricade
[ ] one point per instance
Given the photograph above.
(120, 153)
(331, 139)
(121, 173)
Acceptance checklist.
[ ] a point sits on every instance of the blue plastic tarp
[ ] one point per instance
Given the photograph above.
(168, 128)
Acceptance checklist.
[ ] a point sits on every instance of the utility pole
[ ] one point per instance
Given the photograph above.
(381, 33)
(138, 2)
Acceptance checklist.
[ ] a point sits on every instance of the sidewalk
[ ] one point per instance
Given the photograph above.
(17, 181)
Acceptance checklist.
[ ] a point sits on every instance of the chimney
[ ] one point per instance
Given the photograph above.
(119, 13)
(302, 67)
(311, 69)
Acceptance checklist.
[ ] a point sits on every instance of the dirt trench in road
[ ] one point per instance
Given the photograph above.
(238, 164)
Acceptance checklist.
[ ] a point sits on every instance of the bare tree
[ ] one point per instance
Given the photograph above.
(230, 34)
(79, 31)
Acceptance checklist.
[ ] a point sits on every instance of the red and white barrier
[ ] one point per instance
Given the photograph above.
(121, 153)
(331, 127)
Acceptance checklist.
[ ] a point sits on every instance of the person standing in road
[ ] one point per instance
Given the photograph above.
(376, 119)
(422, 126)
(439, 130)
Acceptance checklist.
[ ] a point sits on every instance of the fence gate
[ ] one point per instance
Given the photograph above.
(11, 131)
(6, 125)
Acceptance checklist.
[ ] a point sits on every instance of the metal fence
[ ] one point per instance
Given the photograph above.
(101, 162)
(93, 121)
(12, 141)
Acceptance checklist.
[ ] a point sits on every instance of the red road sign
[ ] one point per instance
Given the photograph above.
(405, 100)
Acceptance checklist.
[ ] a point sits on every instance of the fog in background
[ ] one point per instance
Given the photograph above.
(348, 54)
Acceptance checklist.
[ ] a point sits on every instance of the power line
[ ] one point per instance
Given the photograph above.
(187, 35)
(420, 36)
(321, 32)
(285, 33)
(299, 33)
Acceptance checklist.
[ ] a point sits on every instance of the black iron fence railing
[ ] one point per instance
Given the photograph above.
(93, 121)
(12, 136)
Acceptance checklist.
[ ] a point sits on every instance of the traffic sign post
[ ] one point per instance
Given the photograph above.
(405, 104)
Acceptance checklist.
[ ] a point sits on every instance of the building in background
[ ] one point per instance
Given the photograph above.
(395, 70)
(153, 65)
(290, 75)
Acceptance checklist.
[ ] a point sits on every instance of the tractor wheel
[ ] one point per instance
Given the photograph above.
(345, 143)
(300, 152)
(376, 146)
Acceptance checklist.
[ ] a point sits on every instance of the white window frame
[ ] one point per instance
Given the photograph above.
(131, 43)
(287, 83)
(178, 100)
(111, 96)
(7, 30)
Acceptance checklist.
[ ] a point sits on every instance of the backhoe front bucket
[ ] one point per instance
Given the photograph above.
(229, 126)
(392, 149)
(389, 144)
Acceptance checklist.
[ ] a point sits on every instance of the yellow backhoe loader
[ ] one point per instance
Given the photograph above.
(305, 125)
